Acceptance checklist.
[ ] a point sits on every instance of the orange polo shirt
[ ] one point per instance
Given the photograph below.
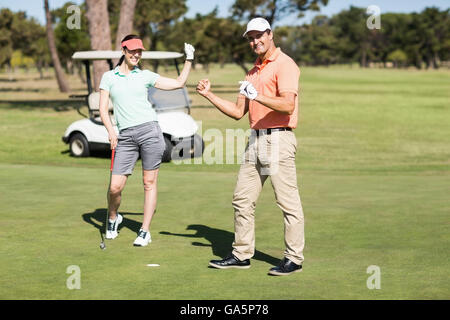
(277, 74)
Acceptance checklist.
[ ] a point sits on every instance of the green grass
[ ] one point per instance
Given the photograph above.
(373, 166)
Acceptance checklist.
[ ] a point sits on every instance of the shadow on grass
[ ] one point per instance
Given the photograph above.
(98, 220)
(96, 153)
(19, 90)
(3, 79)
(220, 242)
(57, 105)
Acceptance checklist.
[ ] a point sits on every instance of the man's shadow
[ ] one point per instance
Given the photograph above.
(98, 220)
(220, 241)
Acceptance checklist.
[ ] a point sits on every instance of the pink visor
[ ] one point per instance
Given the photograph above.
(133, 44)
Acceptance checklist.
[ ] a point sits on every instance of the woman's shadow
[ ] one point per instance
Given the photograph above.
(220, 242)
(98, 220)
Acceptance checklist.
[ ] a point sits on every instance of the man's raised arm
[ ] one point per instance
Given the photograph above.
(234, 110)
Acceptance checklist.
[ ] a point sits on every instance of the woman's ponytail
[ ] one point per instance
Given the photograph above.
(120, 61)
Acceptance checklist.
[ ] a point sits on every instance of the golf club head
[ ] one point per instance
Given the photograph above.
(102, 242)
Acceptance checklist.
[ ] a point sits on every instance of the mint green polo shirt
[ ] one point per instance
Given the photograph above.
(129, 94)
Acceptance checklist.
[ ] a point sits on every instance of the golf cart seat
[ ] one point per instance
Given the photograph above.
(165, 100)
(93, 100)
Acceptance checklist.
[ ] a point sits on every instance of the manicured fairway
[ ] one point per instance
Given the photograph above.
(373, 167)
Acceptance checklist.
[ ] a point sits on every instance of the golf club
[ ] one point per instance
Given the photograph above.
(102, 243)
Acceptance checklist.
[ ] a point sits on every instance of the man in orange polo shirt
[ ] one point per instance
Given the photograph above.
(270, 96)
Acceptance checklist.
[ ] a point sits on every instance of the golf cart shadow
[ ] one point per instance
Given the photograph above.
(99, 153)
(220, 242)
(98, 220)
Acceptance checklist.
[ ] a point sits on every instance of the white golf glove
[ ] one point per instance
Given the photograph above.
(248, 90)
(189, 51)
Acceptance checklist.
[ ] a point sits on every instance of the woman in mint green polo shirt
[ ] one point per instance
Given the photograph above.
(139, 131)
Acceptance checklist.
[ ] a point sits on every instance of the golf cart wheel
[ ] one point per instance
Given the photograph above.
(197, 147)
(79, 146)
(190, 147)
(167, 155)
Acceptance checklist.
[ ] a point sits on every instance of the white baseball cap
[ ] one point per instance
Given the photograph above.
(257, 24)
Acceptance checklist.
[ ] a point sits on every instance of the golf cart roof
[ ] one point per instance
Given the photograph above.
(109, 54)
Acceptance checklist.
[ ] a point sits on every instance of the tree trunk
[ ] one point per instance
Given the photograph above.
(39, 67)
(221, 61)
(436, 61)
(125, 21)
(100, 35)
(80, 72)
(418, 62)
(69, 66)
(363, 61)
(237, 59)
(273, 12)
(428, 61)
(62, 83)
(242, 65)
(125, 27)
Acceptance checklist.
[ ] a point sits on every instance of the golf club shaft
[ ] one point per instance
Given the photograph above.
(113, 151)
(107, 195)
(109, 185)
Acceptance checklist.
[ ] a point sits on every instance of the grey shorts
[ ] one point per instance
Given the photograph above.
(145, 140)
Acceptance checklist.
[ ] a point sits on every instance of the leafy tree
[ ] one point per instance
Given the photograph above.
(392, 35)
(353, 35)
(153, 19)
(197, 32)
(433, 30)
(18, 59)
(215, 39)
(273, 10)
(31, 42)
(40, 54)
(312, 44)
(68, 40)
(398, 57)
(6, 43)
(406, 39)
(24, 36)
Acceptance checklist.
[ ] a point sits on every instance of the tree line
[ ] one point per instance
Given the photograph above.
(414, 39)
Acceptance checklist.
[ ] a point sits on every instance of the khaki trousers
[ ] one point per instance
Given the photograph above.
(268, 155)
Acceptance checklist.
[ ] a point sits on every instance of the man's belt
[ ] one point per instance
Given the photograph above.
(270, 130)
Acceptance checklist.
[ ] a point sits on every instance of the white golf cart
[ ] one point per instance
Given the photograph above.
(172, 108)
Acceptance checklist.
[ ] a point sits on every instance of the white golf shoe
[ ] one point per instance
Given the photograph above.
(113, 226)
(143, 239)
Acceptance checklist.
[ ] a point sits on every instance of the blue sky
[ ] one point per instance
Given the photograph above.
(35, 8)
